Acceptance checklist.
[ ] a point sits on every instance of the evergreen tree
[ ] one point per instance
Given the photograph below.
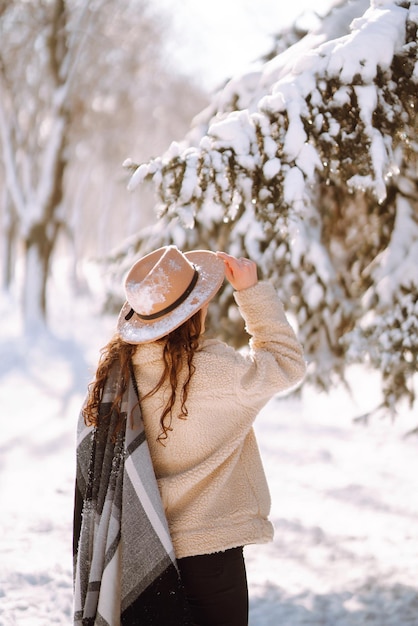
(309, 166)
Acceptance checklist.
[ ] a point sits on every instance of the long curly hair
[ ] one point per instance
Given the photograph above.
(179, 348)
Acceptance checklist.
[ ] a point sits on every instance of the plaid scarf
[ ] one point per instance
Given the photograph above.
(125, 572)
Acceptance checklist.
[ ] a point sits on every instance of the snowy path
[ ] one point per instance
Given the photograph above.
(345, 502)
(345, 508)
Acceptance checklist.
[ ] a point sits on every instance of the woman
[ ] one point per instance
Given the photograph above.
(199, 399)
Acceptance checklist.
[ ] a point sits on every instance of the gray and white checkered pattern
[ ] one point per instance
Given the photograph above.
(123, 549)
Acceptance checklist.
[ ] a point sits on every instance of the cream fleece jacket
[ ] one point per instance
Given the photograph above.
(209, 472)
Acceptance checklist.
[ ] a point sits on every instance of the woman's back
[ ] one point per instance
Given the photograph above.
(198, 399)
(209, 470)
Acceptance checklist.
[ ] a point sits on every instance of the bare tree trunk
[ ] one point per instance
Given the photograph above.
(39, 246)
(8, 234)
(41, 237)
(35, 166)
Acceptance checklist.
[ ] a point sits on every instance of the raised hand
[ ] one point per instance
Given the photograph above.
(241, 273)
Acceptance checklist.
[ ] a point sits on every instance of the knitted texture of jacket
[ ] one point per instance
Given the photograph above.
(209, 471)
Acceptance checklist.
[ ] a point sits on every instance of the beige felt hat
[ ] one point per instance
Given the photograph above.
(164, 289)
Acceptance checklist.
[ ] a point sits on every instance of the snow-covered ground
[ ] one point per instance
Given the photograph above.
(345, 503)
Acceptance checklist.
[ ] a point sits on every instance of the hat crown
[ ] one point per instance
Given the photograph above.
(158, 281)
(164, 289)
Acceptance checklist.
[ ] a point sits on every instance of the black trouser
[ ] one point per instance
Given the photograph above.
(216, 588)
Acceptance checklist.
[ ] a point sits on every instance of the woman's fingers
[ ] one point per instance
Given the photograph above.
(241, 273)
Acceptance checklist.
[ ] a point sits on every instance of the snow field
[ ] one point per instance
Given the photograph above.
(344, 499)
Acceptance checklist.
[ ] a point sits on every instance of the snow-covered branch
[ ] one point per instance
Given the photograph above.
(325, 106)
(303, 164)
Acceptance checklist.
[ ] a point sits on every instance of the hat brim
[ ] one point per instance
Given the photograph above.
(211, 275)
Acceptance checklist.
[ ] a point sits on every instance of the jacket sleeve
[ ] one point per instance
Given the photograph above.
(275, 361)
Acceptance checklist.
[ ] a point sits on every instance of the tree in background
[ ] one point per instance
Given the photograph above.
(309, 166)
(36, 66)
(79, 80)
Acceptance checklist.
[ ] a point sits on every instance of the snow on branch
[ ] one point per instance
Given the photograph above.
(389, 343)
(319, 119)
(310, 166)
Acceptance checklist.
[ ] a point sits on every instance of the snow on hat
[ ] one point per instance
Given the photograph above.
(164, 289)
